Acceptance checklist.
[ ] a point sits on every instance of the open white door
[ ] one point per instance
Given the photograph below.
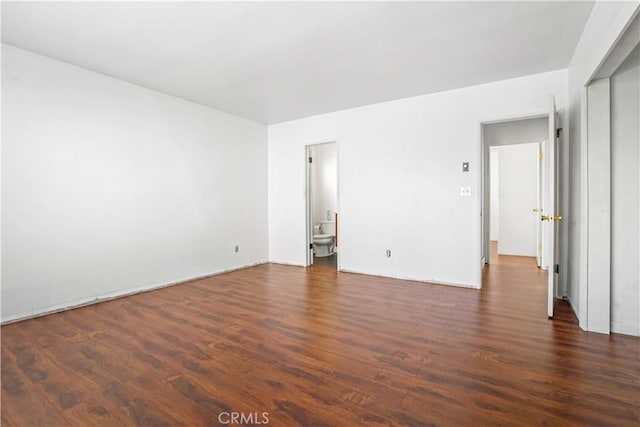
(538, 207)
(550, 215)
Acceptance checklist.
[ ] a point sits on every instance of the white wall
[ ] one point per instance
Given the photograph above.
(400, 177)
(508, 133)
(494, 165)
(605, 25)
(625, 199)
(110, 188)
(518, 195)
(324, 178)
(517, 131)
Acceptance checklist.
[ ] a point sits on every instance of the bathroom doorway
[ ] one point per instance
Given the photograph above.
(322, 204)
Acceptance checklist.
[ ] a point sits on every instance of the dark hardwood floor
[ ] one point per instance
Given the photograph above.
(317, 347)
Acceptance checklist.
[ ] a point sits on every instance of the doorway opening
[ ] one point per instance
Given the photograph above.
(518, 203)
(322, 205)
(516, 183)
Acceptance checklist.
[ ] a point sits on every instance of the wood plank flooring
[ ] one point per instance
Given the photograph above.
(317, 347)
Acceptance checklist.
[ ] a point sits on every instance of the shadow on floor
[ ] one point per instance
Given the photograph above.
(327, 261)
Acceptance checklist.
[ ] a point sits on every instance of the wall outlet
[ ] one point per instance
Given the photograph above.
(237, 248)
(465, 191)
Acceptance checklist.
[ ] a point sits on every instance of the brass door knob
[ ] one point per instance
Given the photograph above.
(550, 217)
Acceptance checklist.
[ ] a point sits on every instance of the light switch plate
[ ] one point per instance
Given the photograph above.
(465, 191)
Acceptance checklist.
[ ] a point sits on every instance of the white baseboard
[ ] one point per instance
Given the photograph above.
(411, 279)
(38, 312)
(290, 264)
(625, 328)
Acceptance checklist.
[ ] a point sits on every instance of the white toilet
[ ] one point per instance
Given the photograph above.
(324, 238)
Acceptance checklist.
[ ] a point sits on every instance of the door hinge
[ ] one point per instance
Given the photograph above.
(558, 132)
(540, 155)
(310, 159)
(310, 245)
(557, 270)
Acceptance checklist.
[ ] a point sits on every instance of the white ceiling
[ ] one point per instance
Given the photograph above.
(274, 62)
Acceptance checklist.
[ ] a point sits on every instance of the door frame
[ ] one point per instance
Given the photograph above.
(309, 199)
(552, 189)
(595, 207)
(485, 184)
(540, 256)
(485, 215)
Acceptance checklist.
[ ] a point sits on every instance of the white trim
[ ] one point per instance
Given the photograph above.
(506, 119)
(622, 48)
(308, 197)
(599, 206)
(411, 279)
(625, 328)
(485, 205)
(550, 203)
(583, 284)
(288, 264)
(38, 312)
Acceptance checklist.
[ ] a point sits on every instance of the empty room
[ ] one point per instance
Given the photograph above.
(320, 213)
